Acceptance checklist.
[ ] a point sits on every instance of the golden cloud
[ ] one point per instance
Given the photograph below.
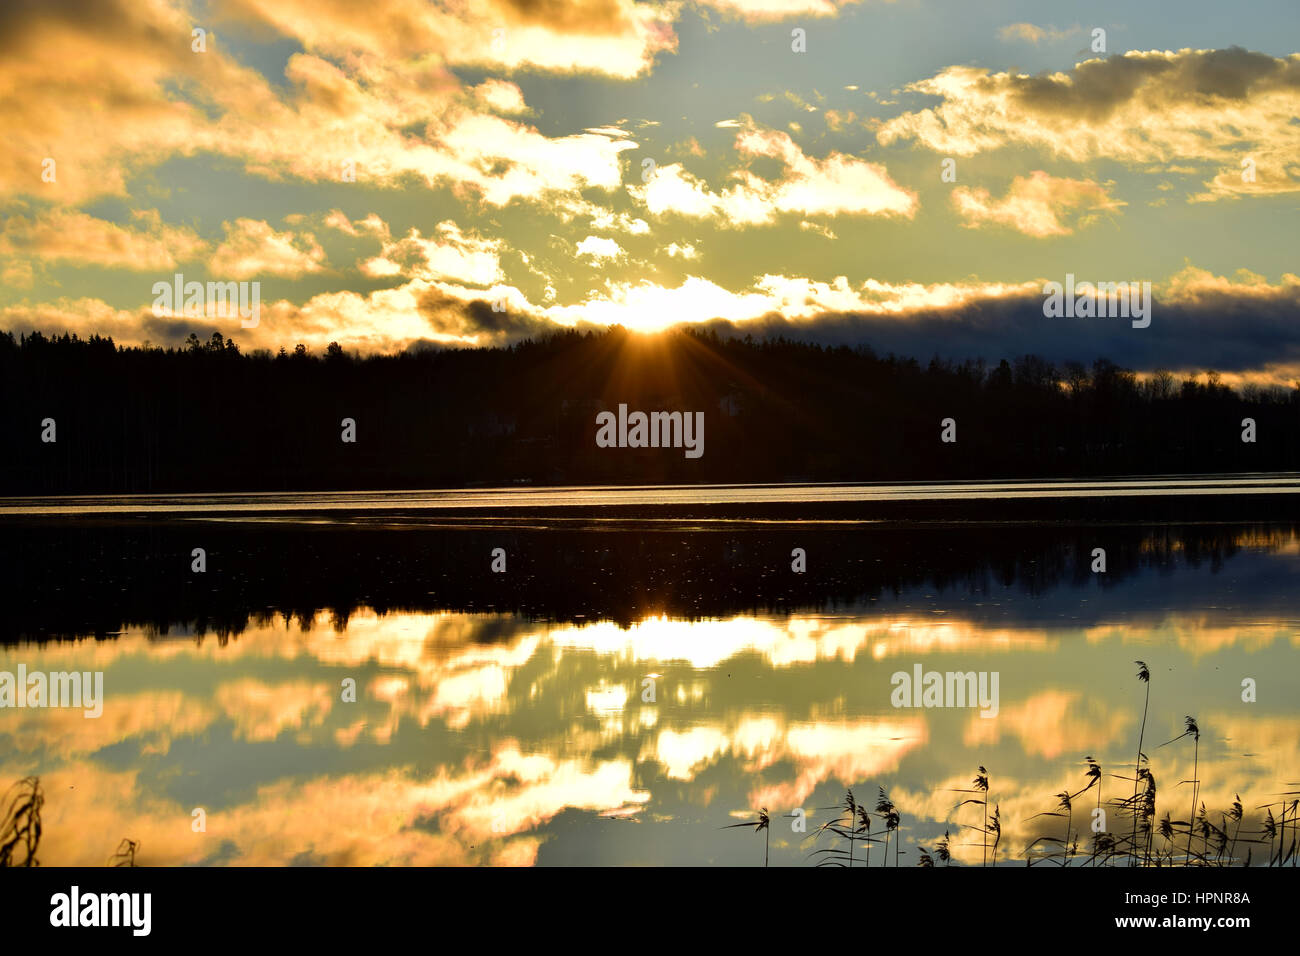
(1036, 205)
(1214, 107)
(614, 37)
(836, 185)
(252, 247)
(451, 254)
(69, 236)
(103, 98)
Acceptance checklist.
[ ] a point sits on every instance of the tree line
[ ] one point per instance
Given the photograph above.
(208, 417)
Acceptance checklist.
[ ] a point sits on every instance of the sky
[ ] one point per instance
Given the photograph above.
(906, 175)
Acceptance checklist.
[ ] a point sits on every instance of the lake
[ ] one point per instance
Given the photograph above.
(349, 682)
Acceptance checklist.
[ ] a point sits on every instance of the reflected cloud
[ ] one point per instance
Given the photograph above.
(484, 738)
(1052, 724)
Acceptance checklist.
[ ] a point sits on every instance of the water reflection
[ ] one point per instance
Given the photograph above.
(70, 579)
(500, 738)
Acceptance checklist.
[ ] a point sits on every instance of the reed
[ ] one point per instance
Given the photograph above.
(1143, 675)
(763, 823)
(20, 827)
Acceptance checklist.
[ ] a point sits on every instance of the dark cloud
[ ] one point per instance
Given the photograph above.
(1095, 90)
(113, 21)
(1225, 332)
(452, 316)
(174, 331)
(1226, 329)
(1235, 73)
(1098, 87)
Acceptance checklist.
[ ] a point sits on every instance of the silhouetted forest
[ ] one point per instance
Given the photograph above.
(208, 417)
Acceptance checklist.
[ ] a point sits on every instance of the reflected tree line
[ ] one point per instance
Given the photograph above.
(208, 416)
(69, 580)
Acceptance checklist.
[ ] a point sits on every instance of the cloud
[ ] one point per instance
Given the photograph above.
(1035, 34)
(647, 305)
(110, 96)
(1035, 204)
(17, 274)
(618, 38)
(252, 247)
(605, 220)
(523, 163)
(372, 225)
(599, 249)
(836, 185)
(817, 228)
(761, 11)
(501, 97)
(450, 313)
(62, 235)
(1209, 107)
(1241, 325)
(450, 254)
(673, 189)
(96, 90)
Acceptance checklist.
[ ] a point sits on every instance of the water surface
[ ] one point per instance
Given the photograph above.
(622, 696)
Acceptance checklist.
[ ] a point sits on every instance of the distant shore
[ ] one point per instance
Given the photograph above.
(1169, 497)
